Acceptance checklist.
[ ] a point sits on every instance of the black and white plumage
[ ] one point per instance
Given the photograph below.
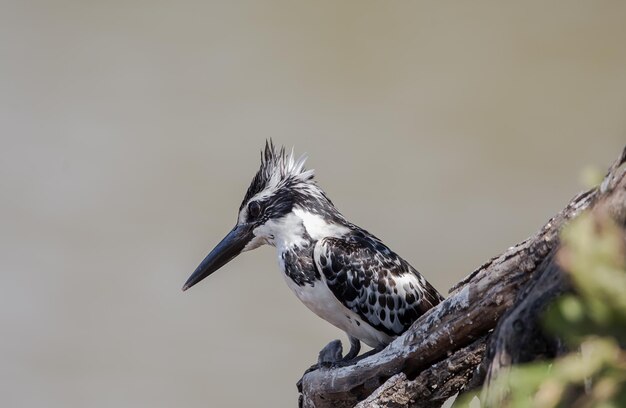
(341, 272)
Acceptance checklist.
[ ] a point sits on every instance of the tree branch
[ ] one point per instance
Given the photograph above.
(444, 335)
(433, 386)
(519, 336)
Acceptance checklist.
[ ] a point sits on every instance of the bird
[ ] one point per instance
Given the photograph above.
(341, 272)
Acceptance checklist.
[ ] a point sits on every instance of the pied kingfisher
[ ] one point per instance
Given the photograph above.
(341, 272)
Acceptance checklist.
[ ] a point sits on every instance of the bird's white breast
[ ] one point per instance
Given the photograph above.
(321, 301)
(287, 234)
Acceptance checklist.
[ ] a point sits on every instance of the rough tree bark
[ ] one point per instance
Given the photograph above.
(488, 322)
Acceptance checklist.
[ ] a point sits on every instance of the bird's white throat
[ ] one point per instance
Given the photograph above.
(297, 228)
(318, 227)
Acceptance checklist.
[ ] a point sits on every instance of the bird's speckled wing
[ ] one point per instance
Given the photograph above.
(374, 282)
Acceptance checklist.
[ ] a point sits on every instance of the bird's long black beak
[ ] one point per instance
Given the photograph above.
(224, 252)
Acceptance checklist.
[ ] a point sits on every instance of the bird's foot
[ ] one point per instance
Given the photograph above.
(328, 357)
(331, 356)
(332, 353)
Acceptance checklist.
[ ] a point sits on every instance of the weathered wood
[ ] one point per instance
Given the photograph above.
(519, 336)
(473, 309)
(433, 386)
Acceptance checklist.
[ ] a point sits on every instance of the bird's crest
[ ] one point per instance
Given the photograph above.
(278, 169)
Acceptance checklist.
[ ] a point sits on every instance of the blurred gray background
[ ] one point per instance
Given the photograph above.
(130, 131)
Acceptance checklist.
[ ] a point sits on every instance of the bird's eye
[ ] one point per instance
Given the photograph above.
(254, 209)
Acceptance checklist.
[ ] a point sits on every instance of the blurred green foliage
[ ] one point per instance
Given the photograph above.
(592, 322)
(593, 254)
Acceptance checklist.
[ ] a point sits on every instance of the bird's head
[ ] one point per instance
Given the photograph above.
(282, 205)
